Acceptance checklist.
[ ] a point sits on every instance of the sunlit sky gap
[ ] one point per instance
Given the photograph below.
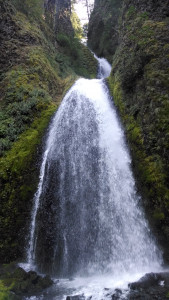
(81, 11)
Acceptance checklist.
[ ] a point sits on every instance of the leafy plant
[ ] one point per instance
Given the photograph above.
(78, 31)
(63, 40)
(4, 292)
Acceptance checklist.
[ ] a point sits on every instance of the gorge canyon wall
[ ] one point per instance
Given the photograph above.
(139, 83)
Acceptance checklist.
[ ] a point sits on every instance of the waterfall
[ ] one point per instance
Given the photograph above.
(87, 216)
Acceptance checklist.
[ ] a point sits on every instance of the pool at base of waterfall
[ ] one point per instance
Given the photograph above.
(95, 288)
(105, 288)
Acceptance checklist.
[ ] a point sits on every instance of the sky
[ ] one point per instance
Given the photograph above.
(81, 11)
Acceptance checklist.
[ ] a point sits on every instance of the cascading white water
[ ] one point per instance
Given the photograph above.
(87, 217)
(104, 68)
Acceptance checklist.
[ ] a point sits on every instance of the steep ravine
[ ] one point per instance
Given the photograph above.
(87, 223)
(38, 64)
(139, 83)
(103, 28)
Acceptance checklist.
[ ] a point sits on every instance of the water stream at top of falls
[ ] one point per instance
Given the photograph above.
(87, 221)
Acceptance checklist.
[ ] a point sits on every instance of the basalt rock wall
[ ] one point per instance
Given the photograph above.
(103, 32)
(139, 83)
(37, 66)
(58, 13)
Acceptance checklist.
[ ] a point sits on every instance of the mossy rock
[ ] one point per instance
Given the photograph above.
(35, 74)
(21, 282)
(103, 31)
(139, 85)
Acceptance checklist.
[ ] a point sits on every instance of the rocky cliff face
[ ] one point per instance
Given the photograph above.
(156, 9)
(58, 13)
(37, 66)
(103, 28)
(139, 83)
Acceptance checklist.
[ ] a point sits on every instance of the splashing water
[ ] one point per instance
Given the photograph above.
(87, 219)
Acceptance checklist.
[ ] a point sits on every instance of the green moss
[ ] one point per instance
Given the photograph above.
(78, 31)
(63, 39)
(149, 168)
(18, 187)
(131, 11)
(4, 292)
(24, 99)
(29, 88)
(77, 56)
(21, 153)
(32, 8)
(19, 178)
(31, 85)
(103, 29)
(39, 72)
(114, 86)
(158, 215)
(144, 15)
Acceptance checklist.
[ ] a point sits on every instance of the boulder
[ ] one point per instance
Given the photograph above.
(117, 294)
(23, 282)
(150, 286)
(150, 280)
(77, 297)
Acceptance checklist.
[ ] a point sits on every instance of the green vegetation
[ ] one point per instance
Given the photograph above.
(32, 8)
(22, 150)
(39, 78)
(131, 11)
(16, 282)
(29, 88)
(76, 25)
(23, 99)
(149, 169)
(103, 29)
(4, 292)
(18, 164)
(38, 68)
(139, 84)
(75, 56)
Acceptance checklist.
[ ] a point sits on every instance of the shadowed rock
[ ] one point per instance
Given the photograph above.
(117, 294)
(77, 297)
(23, 282)
(150, 286)
(149, 280)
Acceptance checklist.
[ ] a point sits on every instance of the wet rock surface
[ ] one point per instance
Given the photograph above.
(150, 286)
(117, 294)
(78, 297)
(26, 283)
(103, 33)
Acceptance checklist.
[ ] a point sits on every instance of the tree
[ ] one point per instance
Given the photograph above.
(89, 6)
(76, 25)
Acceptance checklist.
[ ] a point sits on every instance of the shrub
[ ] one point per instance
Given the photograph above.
(63, 40)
